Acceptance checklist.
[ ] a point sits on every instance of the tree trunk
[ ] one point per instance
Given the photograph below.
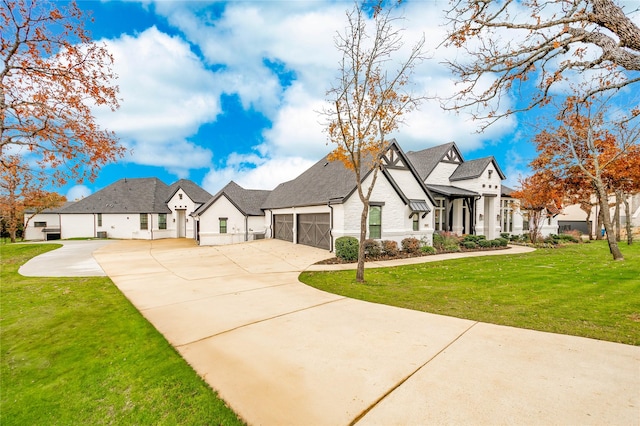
(363, 236)
(589, 227)
(599, 225)
(627, 213)
(616, 216)
(606, 220)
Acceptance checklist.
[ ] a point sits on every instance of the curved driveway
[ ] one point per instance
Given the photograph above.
(280, 352)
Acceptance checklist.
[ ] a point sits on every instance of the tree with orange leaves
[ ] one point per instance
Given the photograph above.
(540, 196)
(584, 143)
(51, 75)
(368, 101)
(538, 46)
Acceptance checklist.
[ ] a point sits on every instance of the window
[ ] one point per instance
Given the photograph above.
(490, 173)
(144, 221)
(439, 214)
(40, 224)
(525, 221)
(416, 221)
(99, 219)
(507, 215)
(162, 221)
(375, 222)
(180, 196)
(223, 225)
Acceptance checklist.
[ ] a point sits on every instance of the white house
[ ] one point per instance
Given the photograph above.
(517, 221)
(467, 193)
(415, 195)
(322, 204)
(233, 215)
(573, 217)
(141, 208)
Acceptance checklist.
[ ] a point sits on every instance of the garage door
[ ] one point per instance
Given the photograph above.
(283, 224)
(313, 230)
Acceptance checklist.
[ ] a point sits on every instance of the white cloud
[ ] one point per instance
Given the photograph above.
(167, 95)
(78, 192)
(254, 172)
(176, 94)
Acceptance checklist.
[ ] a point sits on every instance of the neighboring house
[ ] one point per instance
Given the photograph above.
(233, 215)
(575, 218)
(517, 222)
(141, 208)
(466, 193)
(322, 204)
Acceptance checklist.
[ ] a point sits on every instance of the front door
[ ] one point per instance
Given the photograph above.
(182, 223)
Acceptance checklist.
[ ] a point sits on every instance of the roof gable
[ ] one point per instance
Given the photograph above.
(139, 195)
(474, 168)
(426, 160)
(328, 181)
(193, 191)
(247, 201)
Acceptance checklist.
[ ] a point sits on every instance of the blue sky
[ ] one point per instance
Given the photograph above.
(214, 91)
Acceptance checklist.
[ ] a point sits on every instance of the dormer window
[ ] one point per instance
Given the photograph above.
(490, 173)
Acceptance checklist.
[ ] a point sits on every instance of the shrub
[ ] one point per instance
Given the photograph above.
(495, 243)
(372, 248)
(428, 250)
(469, 245)
(514, 238)
(502, 242)
(438, 241)
(411, 245)
(484, 243)
(473, 238)
(452, 247)
(442, 241)
(504, 235)
(347, 248)
(569, 238)
(389, 247)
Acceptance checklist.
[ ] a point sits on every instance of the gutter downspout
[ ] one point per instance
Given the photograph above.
(246, 228)
(95, 235)
(330, 226)
(151, 225)
(270, 223)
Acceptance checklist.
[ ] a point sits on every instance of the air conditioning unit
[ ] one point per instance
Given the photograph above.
(102, 234)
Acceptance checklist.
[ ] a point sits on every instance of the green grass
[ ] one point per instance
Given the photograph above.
(576, 290)
(75, 351)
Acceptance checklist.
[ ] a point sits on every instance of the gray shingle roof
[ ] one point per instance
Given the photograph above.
(506, 191)
(192, 190)
(452, 191)
(248, 201)
(139, 195)
(53, 209)
(474, 168)
(426, 160)
(324, 181)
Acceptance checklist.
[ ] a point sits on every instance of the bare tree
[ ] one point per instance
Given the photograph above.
(368, 99)
(525, 43)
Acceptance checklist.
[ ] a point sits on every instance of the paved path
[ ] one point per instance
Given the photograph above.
(73, 259)
(281, 353)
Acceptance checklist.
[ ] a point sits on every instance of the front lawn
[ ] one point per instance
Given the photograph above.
(575, 290)
(75, 351)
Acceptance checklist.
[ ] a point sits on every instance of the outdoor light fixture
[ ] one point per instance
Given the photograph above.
(481, 217)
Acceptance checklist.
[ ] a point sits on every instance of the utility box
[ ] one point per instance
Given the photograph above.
(102, 234)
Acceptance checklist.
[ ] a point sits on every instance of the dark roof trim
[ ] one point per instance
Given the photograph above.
(452, 191)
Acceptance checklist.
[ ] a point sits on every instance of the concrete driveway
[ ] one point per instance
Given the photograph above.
(73, 259)
(281, 353)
